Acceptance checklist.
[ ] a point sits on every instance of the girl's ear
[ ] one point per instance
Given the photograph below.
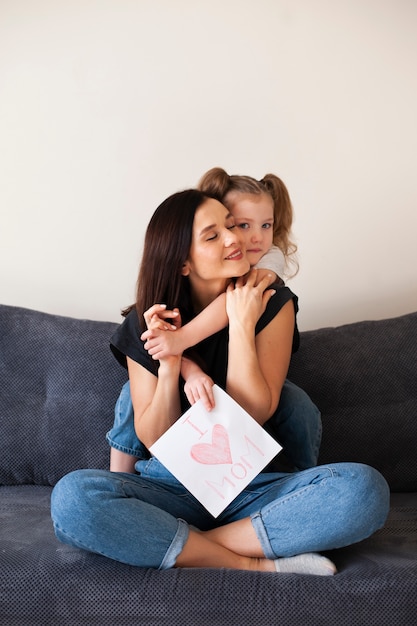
(185, 270)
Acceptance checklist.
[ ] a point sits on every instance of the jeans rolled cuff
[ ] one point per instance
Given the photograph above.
(127, 450)
(176, 546)
(262, 535)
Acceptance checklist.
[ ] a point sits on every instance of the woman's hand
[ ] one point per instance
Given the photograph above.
(246, 300)
(262, 359)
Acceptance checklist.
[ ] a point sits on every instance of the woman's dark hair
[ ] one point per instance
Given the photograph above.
(166, 249)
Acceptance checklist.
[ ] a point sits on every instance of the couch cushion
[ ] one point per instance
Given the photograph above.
(363, 377)
(59, 384)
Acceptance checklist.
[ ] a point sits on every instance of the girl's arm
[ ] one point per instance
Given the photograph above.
(262, 360)
(198, 385)
(273, 260)
(210, 320)
(161, 344)
(262, 273)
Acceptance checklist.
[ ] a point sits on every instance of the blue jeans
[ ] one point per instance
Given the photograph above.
(144, 519)
(296, 425)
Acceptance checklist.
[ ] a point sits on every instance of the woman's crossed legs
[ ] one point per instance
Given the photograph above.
(145, 520)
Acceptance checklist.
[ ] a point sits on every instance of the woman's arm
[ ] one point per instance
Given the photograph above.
(156, 401)
(257, 366)
(198, 385)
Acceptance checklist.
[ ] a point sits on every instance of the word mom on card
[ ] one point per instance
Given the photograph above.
(215, 454)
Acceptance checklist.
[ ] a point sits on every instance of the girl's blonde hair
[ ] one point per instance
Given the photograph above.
(218, 184)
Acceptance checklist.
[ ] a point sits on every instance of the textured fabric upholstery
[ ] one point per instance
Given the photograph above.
(363, 377)
(59, 384)
(58, 387)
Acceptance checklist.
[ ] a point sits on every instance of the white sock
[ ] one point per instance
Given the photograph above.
(308, 563)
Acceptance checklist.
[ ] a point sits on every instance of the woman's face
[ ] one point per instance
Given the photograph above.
(217, 252)
(254, 218)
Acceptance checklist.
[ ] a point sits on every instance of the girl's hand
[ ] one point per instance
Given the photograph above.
(199, 386)
(162, 343)
(246, 300)
(156, 317)
(158, 330)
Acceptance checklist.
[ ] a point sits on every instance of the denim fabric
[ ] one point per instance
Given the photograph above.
(145, 518)
(123, 436)
(296, 425)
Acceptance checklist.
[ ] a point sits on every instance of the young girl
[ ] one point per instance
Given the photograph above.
(263, 213)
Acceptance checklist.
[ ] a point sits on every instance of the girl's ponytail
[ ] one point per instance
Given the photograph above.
(215, 183)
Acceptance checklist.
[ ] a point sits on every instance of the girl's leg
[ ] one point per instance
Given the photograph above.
(121, 461)
(296, 425)
(125, 447)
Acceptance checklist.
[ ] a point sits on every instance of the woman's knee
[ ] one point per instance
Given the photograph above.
(376, 494)
(70, 497)
(368, 498)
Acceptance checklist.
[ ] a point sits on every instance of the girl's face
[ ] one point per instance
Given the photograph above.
(254, 218)
(217, 253)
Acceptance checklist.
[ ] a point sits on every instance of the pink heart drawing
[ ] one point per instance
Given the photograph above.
(216, 452)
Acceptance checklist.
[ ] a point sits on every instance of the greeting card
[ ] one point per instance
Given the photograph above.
(215, 454)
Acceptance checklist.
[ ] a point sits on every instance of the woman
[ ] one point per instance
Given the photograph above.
(262, 211)
(192, 251)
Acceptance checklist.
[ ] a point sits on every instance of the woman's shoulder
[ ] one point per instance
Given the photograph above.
(282, 295)
(124, 337)
(126, 342)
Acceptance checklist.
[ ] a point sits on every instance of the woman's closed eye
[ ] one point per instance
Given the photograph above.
(214, 236)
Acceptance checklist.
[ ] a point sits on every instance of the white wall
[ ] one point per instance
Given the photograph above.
(108, 106)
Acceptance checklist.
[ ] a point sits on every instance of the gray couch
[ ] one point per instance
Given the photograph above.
(58, 386)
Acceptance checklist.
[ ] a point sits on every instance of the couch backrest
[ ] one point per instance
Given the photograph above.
(58, 386)
(363, 377)
(59, 383)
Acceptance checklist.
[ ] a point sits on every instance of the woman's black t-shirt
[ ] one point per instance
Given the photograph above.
(211, 353)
